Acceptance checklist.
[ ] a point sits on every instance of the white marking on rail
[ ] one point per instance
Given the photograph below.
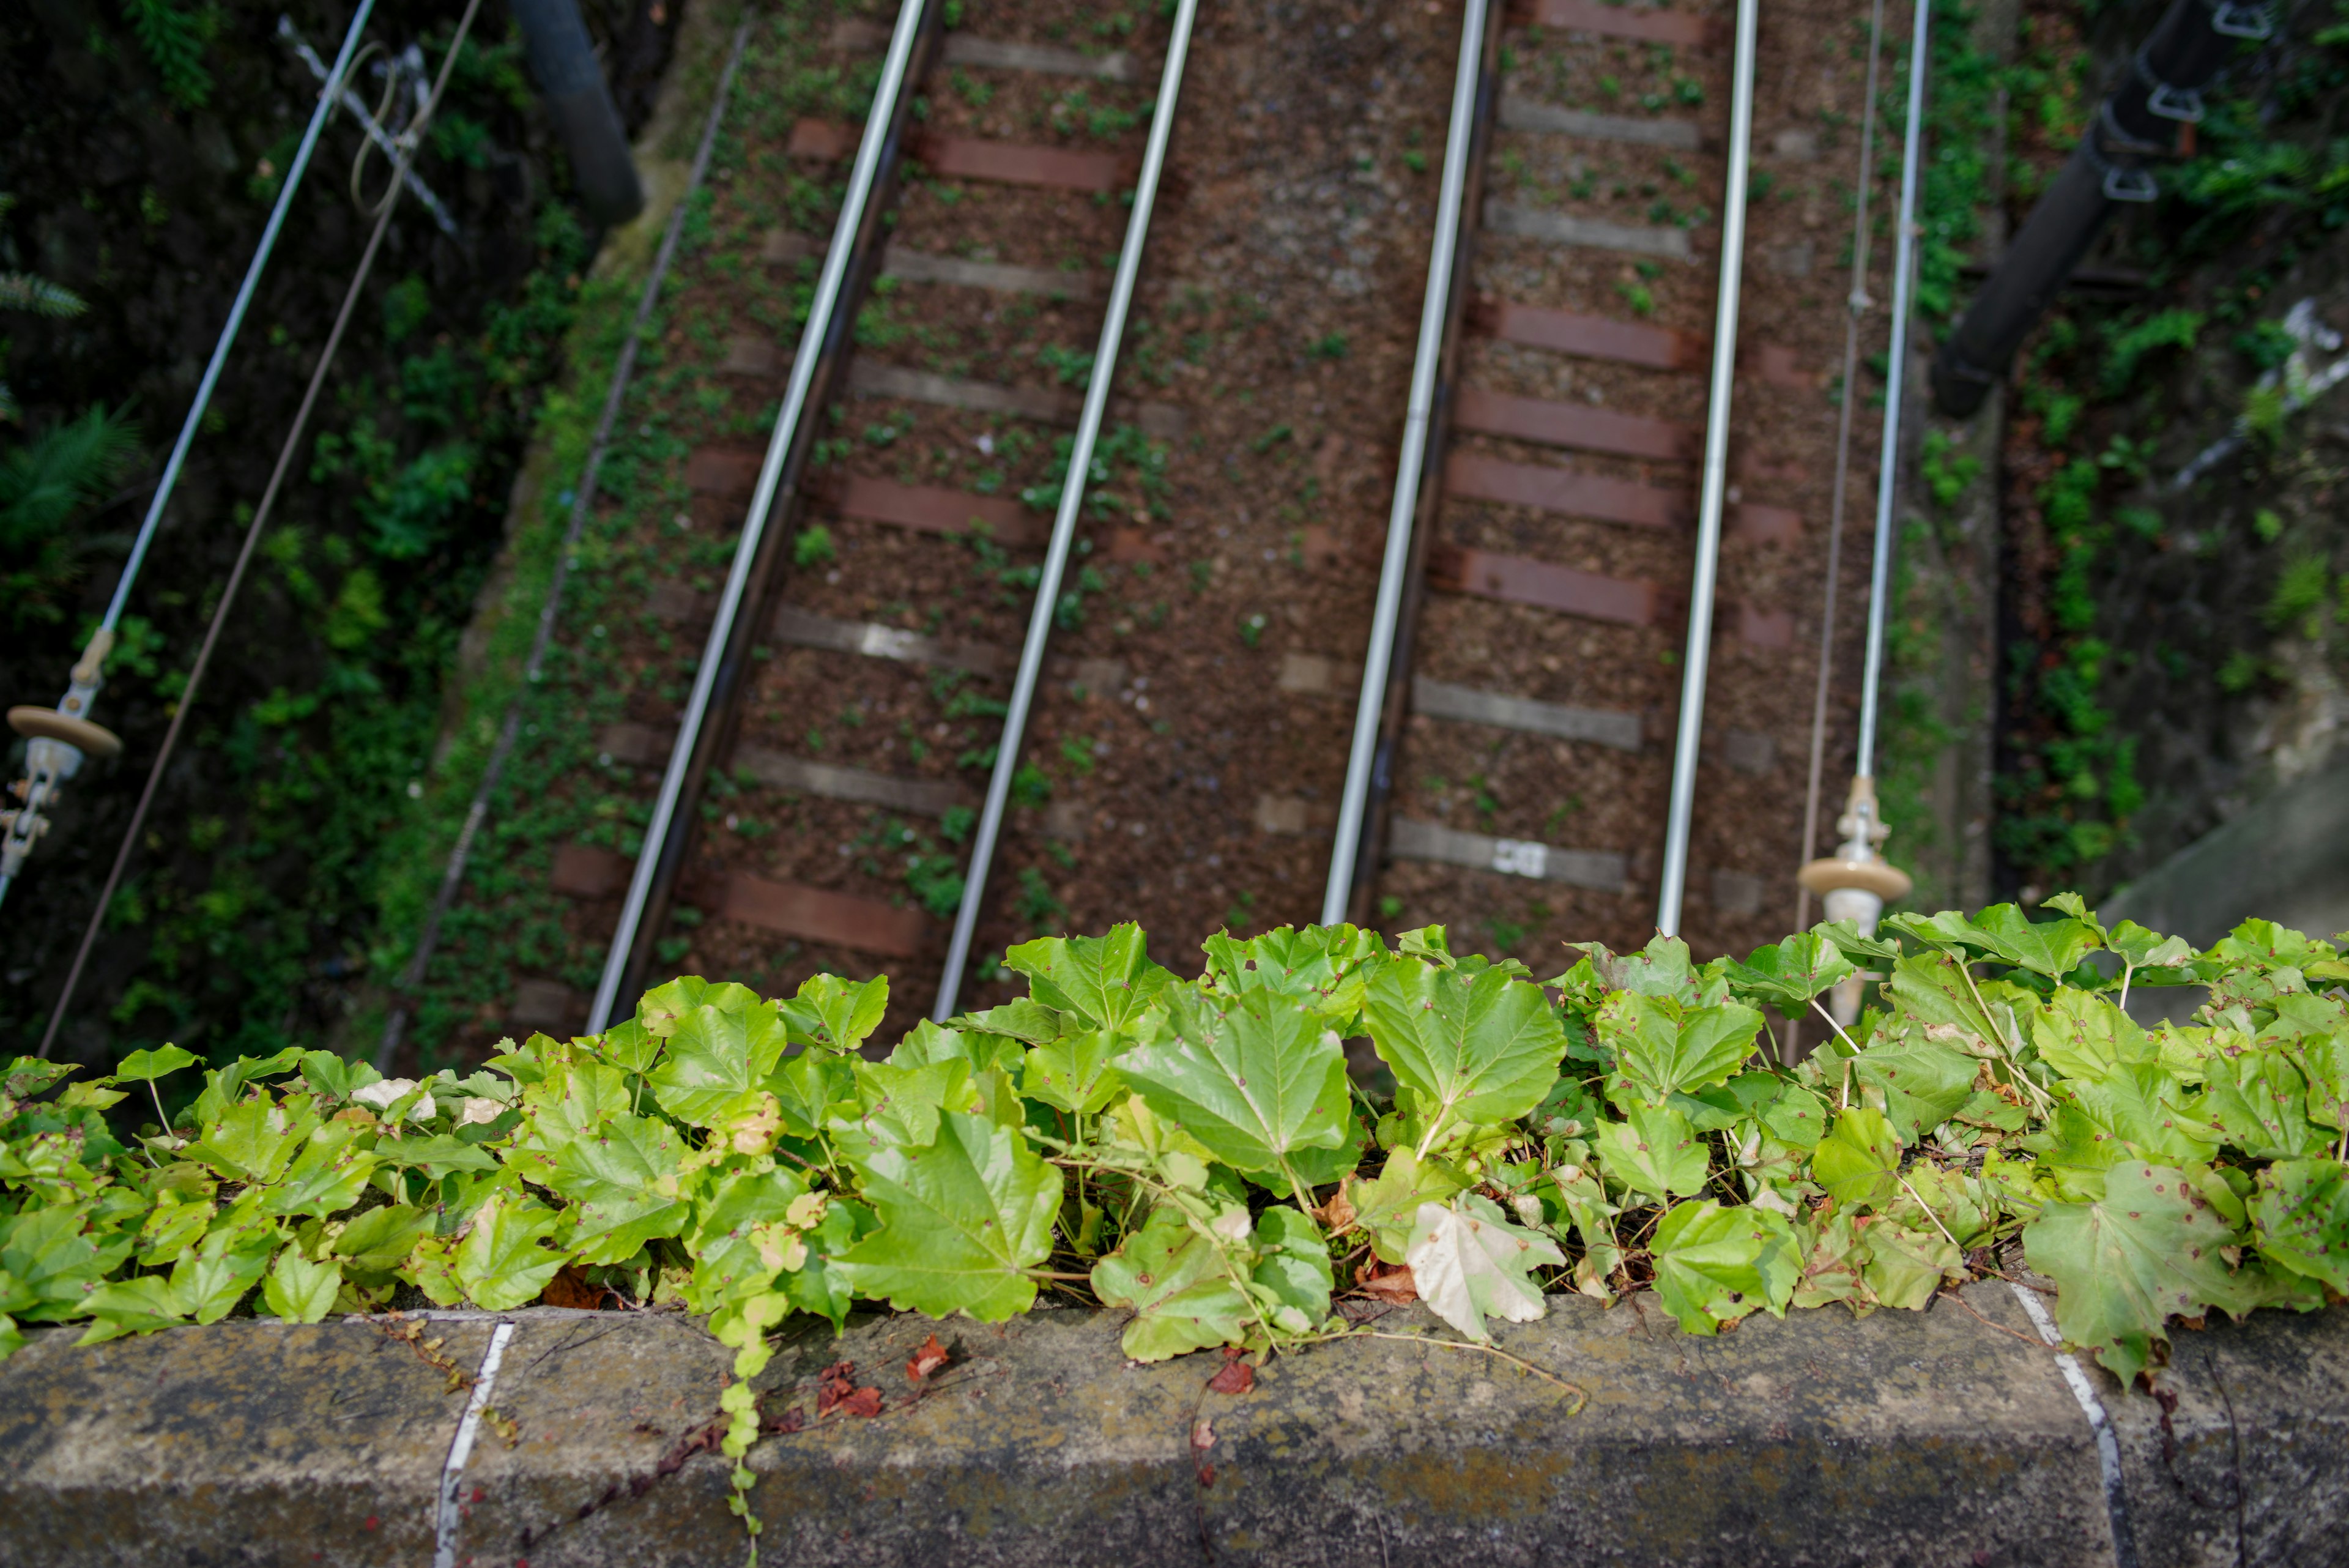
(452, 1472)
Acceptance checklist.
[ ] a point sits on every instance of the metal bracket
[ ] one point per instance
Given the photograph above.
(2129, 184)
(2255, 23)
(2165, 99)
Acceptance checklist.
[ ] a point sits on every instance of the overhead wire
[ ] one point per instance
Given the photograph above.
(583, 502)
(1857, 304)
(59, 760)
(410, 142)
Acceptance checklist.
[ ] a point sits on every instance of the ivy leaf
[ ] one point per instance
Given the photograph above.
(1019, 1018)
(146, 1066)
(2052, 947)
(1251, 1078)
(211, 1281)
(718, 1061)
(626, 1186)
(1858, 1159)
(1716, 1264)
(436, 1155)
(300, 1291)
(820, 1285)
(1788, 974)
(1322, 966)
(1796, 1116)
(2142, 949)
(1386, 1207)
(806, 1088)
(1469, 1263)
(327, 1176)
(1861, 951)
(2139, 1104)
(2082, 1035)
(1654, 1151)
(665, 1007)
(836, 1013)
(2300, 1216)
(140, 1305)
(1178, 1285)
(1107, 981)
(1480, 1047)
(1906, 1265)
(171, 1226)
(2151, 1248)
(378, 1240)
(961, 1222)
(252, 1140)
(56, 1261)
(503, 1261)
(2259, 1101)
(898, 1107)
(1921, 1082)
(2325, 1061)
(28, 1075)
(743, 1235)
(1293, 1264)
(1073, 1073)
(1661, 1048)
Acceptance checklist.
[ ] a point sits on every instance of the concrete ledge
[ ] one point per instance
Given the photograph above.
(1907, 1437)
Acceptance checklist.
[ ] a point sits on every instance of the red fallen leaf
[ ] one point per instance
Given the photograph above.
(1390, 1283)
(1236, 1377)
(836, 1383)
(926, 1360)
(371, 1523)
(790, 1420)
(1207, 1475)
(865, 1402)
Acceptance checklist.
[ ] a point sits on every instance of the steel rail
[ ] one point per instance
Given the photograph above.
(1879, 585)
(1064, 520)
(658, 860)
(1715, 481)
(583, 502)
(1398, 569)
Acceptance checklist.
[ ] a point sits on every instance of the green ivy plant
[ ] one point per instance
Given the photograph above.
(1195, 1152)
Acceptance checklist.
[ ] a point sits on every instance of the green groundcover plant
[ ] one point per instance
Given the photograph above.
(1195, 1153)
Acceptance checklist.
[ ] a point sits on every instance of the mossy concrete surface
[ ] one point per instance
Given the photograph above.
(1942, 1437)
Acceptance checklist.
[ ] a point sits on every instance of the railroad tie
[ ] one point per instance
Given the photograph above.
(1047, 405)
(1575, 425)
(1590, 233)
(977, 158)
(802, 628)
(782, 246)
(1544, 584)
(816, 914)
(1550, 487)
(1519, 112)
(854, 34)
(1467, 704)
(1676, 27)
(1629, 342)
(804, 775)
(1602, 871)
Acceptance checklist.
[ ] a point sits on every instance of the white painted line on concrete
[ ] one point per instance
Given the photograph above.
(2109, 1446)
(452, 1472)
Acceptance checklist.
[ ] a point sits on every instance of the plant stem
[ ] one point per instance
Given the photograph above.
(1581, 1396)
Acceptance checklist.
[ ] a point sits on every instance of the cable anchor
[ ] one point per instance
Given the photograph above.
(1856, 882)
(57, 742)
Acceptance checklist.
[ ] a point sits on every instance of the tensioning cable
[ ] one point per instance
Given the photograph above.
(1064, 523)
(57, 738)
(583, 502)
(410, 143)
(1855, 304)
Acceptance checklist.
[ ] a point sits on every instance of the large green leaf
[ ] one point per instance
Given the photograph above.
(1292, 1267)
(717, 1063)
(1180, 1286)
(1921, 1082)
(1323, 966)
(1661, 1047)
(379, 1240)
(898, 1106)
(251, 1140)
(2152, 1249)
(211, 1281)
(2142, 1105)
(1715, 1264)
(1387, 1206)
(2259, 1101)
(1108, 980)
(1787, 975)
(835, 1014)
(626, 1187)
(1073, 1073)
(961, 1222)
(664, 1008)
(146, 1066)
(2082, 1035)
(820, 1285)
(2300, 1216)
(328, 1177)
(55, 1259)
(503, 1261)
(743, 1235)
(1252, 1078)
(140, 1305)
(1479, 1047)
(1655, 1150)
(1469, 1263)
(2052, 947)
(1858, 1161)
(300, 1291)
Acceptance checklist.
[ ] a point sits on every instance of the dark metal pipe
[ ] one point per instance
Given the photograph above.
(579, 102)
(2141, 120)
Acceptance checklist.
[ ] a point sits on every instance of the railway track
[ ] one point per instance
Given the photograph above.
(811, 723)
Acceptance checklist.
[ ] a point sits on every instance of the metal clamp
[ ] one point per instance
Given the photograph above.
(2166, 99)
(2122, 181)
(2254, 23)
